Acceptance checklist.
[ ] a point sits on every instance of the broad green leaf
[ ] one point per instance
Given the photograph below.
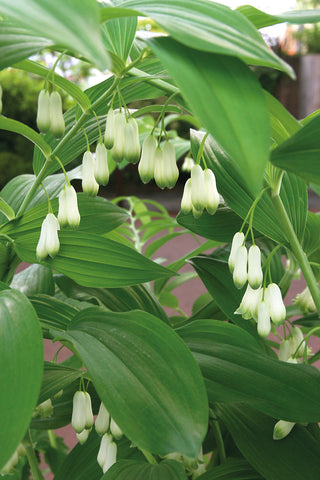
(235, 371)
(295, 457)
(167, 299)
(109, 13)
(53, 313)
(21, 364)
(300, 153)
(210, 27)
(237, 196)
(55, 378)
(235, 468)
(131, 470)
(123, 299)
(17, 44)
(261, 19)
(311, 239)
(93, 261)
(6, 210)
(127, 358)
(282, 123)
(229, 102)
(34, 279)
(69, 24)
(118, 35)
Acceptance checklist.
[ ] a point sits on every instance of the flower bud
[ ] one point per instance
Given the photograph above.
(110, 128)
(255, 275)
(213, 197)
(282, 429)
(43, 113)
(285, 350)
(305, 301)
(89, 183)
(275, 303)
(240, 275)
(237, 241)
(88, 411)
(297, 340)
(159, 168)
(48, 243)
(170, 165)
(117, 150)
(101, 168)
(45, 409)
(198, 190)
(111, 457)
(264, 324)
(146, 164)
(115, 430)
(57, 125)
(83, 436)
(68, 207)
(186, 202)
(78, 420)
(187, 164)
(248, 307)
(104, 444)
(132, 142)
(102, 420)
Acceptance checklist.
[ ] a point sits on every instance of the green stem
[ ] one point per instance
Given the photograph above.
(52, 439)
(297, 250)
(32, 459)
(218, 437)
(149, 457)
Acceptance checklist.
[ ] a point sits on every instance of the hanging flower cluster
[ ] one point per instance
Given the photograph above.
(200, 192)
(50, 114)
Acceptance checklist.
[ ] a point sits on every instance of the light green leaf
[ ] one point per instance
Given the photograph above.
(118, 35)
(6, 209)
(235, 468)
(93, 261)
(297, 456)
(109, 13)
(300, 153)
(131, 470)
(210, 27)
(126, 357)
(229, 102)
(235, 371)
(69, 24)
(34, 279)
(282, 123)
(21, 364)
(261, 19)
(311, 239)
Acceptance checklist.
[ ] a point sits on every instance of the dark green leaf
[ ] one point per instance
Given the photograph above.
(21, 363)
(234, 469)
(131, 470)
(34, 279)
(127, 358)
(53, 313)
(56, 378)
(229, 102)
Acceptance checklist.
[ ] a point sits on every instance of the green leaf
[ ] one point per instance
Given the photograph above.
(21, 363)
(261, 19)
(69, 24)
(167, 299)
(210, 27)
(311, 239)
(93, 261)
(295, 457)
(6, 209)
(109, 13)
(235, 468)
(282, 123)
(126, 357)
(300, 153)
(131, 470)
(235, 371)
(53, 313)
(229, 102)
(118, 35)
(55, 378)
(34, 279)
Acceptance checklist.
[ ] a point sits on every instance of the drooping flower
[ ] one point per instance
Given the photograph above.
(170, 165)
(68, 207)
(78, 420)
(89, 183)
(305, 301)
(281, 429)
(275, 303)
(111, 457)
(213, 197)
(132, 142)
(115, 429)
(48, 243)
(102, 420)
(255, 275)
(237, 241)
(198, 188)
(159, 173)
(101, 168)
(240, 274)
(83, 436)
(187, 164)
(117, 151)
(57, 125)
(110, 129)
(43, 112)
(103, 449)
(45, 409)
(248, 307)
(186, 200)
(264, 323)
(88, 411)
(146, 164)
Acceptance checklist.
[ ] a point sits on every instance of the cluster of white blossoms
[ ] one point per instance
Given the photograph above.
(200, 192)
(82, 422)
(262, 304)
(50, 114)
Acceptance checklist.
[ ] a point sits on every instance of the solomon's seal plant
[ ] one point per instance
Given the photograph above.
(228, 390)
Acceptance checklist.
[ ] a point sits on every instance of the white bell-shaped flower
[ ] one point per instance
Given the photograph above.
(170, 164)
(68, 207)
(115, 429)
(198, 188)
(255, 275)
(248, 307)
(187, 165)
(48, 243)
(282, 429)
(101, 168)
(78, 420)
(146, 164)
(285, 350)
(102, 420)
(43, 113)
(110, 128)
(57, 125)
(275, 303)
(83, 436)
(111, 457)
(89, 183)
(186, 201)
(264, 323)
(159, 168)
(305, 301)
(118, 148)
(103, 449)
(88, 411)
(240, 274)
(132, 142)
(237, 241)
(213, 197)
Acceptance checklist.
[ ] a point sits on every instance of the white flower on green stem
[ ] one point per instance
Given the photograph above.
(248, 307)
(111, 457)
(255, 275)
(57, 125)
(264, 322)
(159, 172)
(110, 129)
(285, 350)
(132, 142)
(281, 429)
(89, 183)
(117, 151)
(83, 436)
(146, 164)
(78, 420)
(277, 310)
(237, 242)
(213, 197)
(171, 169)
(48, 243)
(102, 420)
(68, 207)
(115, 429)
(240, 273)
(186, 200)
(43, 112)
(198, 189)
(101, 168)
(103, 449)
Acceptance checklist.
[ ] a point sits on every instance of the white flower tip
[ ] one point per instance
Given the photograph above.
(282, 429)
